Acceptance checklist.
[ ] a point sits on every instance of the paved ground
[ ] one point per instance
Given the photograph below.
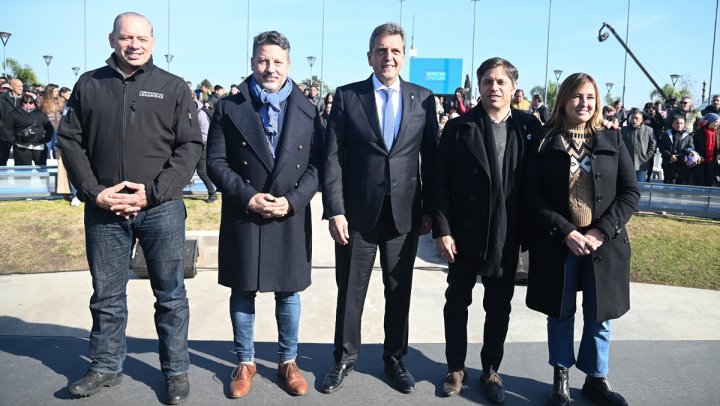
(666, 350)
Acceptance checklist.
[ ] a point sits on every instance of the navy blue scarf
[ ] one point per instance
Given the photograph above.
(270, 109)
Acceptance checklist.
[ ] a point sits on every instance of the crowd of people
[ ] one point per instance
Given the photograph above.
(502, 174)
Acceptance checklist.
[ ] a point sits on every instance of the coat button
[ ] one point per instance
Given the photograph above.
(296, 184)
(598, 176)
(297, 166)
(593, 156)
(244, 163)
(300, 147)
(244, 144)
(597, 259)
(247, 181)
(598, 199)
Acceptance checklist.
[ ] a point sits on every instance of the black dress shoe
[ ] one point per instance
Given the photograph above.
(598, 390)
(493, 387)
(402, 378)
(178, 389)
(92, 382)
(334, 379)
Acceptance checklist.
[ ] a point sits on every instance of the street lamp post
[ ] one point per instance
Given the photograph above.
(311, 61)
(671, 99)
(609, 86)
(76, 70)
(4, 36)
(169, 58)
(472, 58)
(48, 59)
(558, 73)
(401, 2)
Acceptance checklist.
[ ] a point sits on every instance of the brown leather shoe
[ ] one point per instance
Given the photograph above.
(453, 383)
(294, 381)
(241, 381)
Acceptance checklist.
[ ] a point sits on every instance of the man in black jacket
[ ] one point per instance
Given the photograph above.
(8, 102)
(130, 141)
(478, 179)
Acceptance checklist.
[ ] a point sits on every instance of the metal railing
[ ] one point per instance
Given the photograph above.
(39, 182)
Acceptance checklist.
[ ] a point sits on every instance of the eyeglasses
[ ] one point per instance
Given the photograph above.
(684, 102)
(27, 102)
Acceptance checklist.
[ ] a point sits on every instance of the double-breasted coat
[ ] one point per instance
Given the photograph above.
(256, 253)
(616, 196)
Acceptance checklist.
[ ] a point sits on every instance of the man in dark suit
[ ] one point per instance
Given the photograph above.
(477, 222)
(374, 195)
(262, 154)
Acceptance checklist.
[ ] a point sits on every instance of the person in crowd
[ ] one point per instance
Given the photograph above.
(9, 101)
(315, 98)
(610, 120)
(640, 143)
(53, 107)
(539, 109)
(519, 102)
(439, 108)
(130, 141)
(442, 120)
(204, 116)
(325, 115)
(620, 112)
(217, 94)
(458, 102)
(268, 174)
(674, 145)
(581, 191)
(713, 106)
(478, 178)
(706, 140)
(233, 90)
(28, 129)
(653, 119)
(685, 109)
(380, 150)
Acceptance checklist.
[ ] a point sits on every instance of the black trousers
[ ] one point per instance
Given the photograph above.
(4, 152)
(462, 277)
(353, 267)
(25, 156)
(201, 169)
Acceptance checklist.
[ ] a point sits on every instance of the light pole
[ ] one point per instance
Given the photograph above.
(4, 36)
(322, 50)
(76, 70)
(48, 59)
(547, 52)
(311, 61)
(674, 78)
(609, 86)
(168, 58)
(472, 58)
(558, 73)
(401, 2)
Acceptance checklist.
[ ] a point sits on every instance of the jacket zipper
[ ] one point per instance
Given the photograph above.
(122, 134)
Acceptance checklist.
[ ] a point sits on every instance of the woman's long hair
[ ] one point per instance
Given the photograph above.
(568, 89)
(51, 103)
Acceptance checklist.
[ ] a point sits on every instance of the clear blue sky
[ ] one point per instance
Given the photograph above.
(209, 38)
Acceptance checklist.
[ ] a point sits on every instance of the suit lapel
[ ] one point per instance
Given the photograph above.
(470, 134)
(408, 104)
(367, 99)
(248, 122)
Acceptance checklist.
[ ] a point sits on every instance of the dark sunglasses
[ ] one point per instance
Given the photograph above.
(27, 102)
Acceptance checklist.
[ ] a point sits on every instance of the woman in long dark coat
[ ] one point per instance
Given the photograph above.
(581, 191)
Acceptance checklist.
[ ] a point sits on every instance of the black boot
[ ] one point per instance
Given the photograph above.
(599, 391)
(561, 389)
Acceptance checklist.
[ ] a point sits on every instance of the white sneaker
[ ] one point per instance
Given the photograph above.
(75, 202)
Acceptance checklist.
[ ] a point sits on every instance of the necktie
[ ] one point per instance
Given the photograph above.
(388, 128)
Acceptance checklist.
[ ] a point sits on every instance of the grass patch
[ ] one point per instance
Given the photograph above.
(48, 236)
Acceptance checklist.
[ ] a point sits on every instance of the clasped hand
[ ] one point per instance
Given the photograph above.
(124, 199)
(580, 244)
(269, 206)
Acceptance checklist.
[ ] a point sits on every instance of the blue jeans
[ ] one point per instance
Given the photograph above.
(287, 316)
(595, 343)
(641, 175)
(161, 233)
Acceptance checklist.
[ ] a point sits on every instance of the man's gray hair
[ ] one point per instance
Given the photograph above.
(387, 29)
(116, 23)
(271, 38)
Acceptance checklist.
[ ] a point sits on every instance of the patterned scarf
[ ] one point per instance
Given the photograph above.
(270, 109)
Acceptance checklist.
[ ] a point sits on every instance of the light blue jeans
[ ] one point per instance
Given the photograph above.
(287, 316)
(595, 343)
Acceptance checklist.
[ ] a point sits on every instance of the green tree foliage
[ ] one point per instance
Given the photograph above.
(17, 71)
(315, 81)
(551, 93)
(672, 94)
